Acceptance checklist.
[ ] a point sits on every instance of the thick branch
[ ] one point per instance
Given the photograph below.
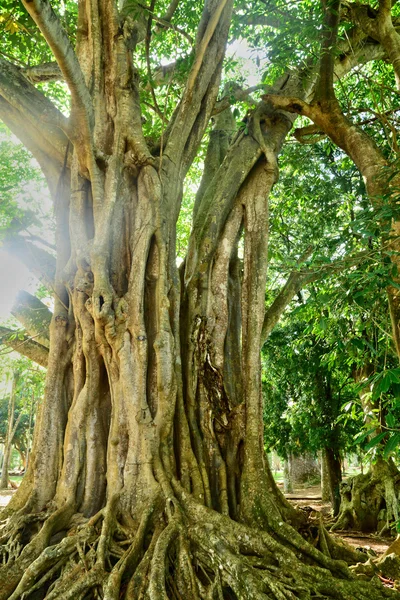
(310, 134)
(25, 346)
(220, 136)
(193, 114)
(34, 316)
(217, 200)
(170, 10)
(203, 45)
(44, 72)
(380, 27)
(33, 118)
(357, 144)
(329, 36)
(56, 37)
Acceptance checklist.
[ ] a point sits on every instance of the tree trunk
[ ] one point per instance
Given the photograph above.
(303, 469)
(287, 479)
(147, 476)
(325, 487)
(370, 501)
(29, 432)
(332, 476)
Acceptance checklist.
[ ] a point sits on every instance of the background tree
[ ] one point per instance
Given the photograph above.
(27, 395)
(18, 409)
(11, 426)
(304, 395)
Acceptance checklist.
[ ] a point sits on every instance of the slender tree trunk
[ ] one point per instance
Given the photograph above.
(287, 479)
(29, 432)
(333, 474)
(22, 459)
(325, 487)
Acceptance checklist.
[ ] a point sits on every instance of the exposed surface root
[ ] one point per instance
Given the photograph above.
(180, 550)
(369, 502)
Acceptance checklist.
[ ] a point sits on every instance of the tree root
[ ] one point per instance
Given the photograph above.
(180, 550)
(369, 502)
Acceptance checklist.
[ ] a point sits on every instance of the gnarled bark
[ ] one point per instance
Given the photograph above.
(370, 501)
(147, 477)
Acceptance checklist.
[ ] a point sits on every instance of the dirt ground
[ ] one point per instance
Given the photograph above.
(311, 497)
(5, 497)
(303, 497)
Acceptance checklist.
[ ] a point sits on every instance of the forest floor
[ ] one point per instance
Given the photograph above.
(5, 497)
(310, 498)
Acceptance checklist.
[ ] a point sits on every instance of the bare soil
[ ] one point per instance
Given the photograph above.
(5, 496)
(308, 498)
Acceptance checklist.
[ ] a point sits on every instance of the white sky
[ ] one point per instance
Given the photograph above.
(247, 61)
(14, 277)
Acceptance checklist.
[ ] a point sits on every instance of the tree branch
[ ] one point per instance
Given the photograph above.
(293, 285)
(33, 118)
(203, 45)
(194, 111)
(170, 10)
(352, 139)
(299, 279)
(162, 22)
(57, 39)
(311, 134)
(41, 73)
(220, 136)
(34, 316)
(325, 90)
(236, 95)
(26, 346)
(378, 24)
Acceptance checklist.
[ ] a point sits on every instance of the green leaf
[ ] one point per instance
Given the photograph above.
(358, 343)
(360, 437)
(390, 420)
(375, 440)
(381, 385)
(392, 444)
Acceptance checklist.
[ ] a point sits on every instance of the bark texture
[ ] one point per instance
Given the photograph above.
(147, 477)
(331, 478)
(370, 501)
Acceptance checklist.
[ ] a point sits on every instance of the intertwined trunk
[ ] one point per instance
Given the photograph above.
(148, 477)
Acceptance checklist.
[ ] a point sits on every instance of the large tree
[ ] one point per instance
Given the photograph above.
(148, 478)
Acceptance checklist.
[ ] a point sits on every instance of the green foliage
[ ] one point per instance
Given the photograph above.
(28, 393)
(304, 393)
(18, 179)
